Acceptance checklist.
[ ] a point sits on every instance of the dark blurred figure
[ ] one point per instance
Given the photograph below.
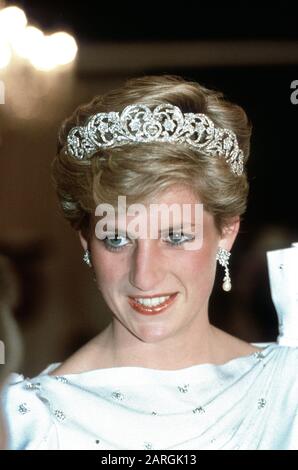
(254, 316)
(10, 341)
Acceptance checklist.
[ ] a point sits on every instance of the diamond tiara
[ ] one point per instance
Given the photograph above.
(165, 123)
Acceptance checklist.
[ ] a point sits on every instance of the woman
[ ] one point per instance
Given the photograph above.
(159, 376)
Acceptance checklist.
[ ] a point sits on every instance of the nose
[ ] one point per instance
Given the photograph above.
(148, 268)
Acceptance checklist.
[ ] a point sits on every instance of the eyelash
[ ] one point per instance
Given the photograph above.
(120, 248)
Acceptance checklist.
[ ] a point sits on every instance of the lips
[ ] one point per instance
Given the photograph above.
(164, 294)
(146, 310)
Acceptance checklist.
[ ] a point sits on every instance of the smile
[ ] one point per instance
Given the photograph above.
(151, 305)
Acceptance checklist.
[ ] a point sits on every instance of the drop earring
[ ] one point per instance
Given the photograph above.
(222, 256)
(86, 258)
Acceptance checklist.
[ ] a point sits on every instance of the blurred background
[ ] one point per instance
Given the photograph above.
(55, 56)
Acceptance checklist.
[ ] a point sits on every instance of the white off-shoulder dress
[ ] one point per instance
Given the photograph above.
(250, 402)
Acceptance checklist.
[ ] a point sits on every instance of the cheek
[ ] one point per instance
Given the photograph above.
(199, 266)
(108, 267)
(198, 271)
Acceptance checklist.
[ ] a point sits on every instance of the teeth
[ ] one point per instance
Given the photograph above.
(152, 302)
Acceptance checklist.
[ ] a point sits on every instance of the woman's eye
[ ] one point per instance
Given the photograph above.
(117, 243)
(114, 243)
(179, 238)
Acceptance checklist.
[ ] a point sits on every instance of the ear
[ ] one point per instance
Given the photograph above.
(83, 239)
(229, 233)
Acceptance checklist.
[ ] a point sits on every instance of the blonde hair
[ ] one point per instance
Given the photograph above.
(140, 171)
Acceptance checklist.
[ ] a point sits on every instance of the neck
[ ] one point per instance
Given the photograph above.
(189, 347)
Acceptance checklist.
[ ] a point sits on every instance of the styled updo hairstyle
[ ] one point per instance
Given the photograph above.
(140, 171)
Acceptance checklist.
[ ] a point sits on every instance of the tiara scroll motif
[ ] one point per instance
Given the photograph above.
(165, 123)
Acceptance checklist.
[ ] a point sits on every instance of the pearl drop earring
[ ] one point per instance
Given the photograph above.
(222, 256)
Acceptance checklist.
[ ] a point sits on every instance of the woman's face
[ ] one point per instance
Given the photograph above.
(151, 267)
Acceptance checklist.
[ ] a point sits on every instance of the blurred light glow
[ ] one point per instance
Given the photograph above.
(64, 47)
(45, 52)
(12, 21)
(27, 41)
(41, 56)
(5, 53)
(52, 51)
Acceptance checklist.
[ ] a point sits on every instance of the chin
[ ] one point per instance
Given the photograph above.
(152, 333)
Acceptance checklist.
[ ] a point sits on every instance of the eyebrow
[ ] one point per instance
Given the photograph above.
(161, 230)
